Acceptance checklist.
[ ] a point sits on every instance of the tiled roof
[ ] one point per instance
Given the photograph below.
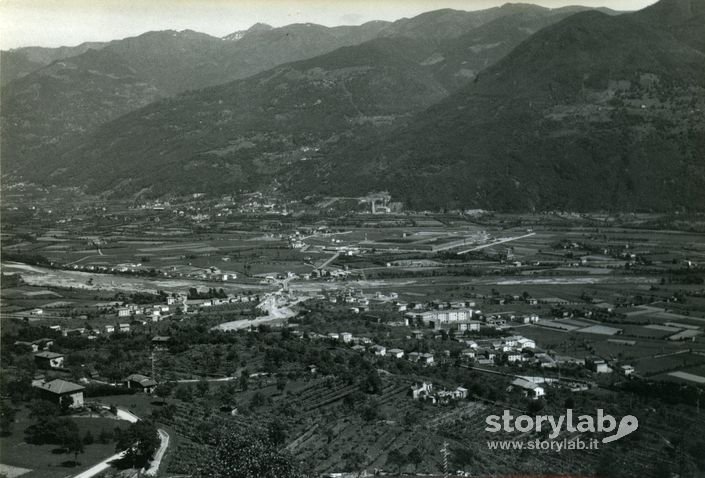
(60, 387)
(48, 355)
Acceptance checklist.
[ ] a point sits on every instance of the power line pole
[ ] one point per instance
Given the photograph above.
(445, 453)
(154, 366)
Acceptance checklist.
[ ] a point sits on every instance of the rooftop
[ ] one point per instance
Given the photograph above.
(59, 386)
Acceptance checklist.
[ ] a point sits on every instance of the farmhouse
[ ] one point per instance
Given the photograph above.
(531, 389)
(627, 370)
(140, 382)
(422, 392)
(426, 359)
(49, 360)
(460, 393)
(61, 392)
(161, 342)
(597, 365)
(33, 346)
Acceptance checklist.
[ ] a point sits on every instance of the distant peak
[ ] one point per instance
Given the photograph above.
(256, 28)
(260, 27)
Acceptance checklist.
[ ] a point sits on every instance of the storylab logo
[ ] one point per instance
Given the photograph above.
(601, 423)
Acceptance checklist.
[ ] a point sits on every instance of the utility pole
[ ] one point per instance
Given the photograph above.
(154, 366)
(445, 453)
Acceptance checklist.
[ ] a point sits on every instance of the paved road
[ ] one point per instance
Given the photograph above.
(154, 465)
(494, 243)
(100, 467)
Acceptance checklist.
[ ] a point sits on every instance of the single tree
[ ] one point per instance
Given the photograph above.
(354, 460)
(397, 459)
(7, 417)
(415, 458)
(75, 445)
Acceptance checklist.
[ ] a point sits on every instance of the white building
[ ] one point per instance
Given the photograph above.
(533, 390)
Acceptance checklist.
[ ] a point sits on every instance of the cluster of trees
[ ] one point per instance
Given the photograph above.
(212, 293)
(140, 297)
(397, 459)
(140, 440)
(52, 428)
(234, 451)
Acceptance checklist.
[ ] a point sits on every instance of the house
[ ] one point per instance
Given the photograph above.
(124, 312)
(33, 346)
(513, 356)
(61, 392)
(124, 327)
(334, 336)
(627, 370)
(489, 354)
(545, 361)
(597, 365)
(468, 354)
(109, 329)
(460, 393)
(396, 353)
(423, 391)
(525, 343)
(378, 350)
(346, 337)
(470, 325)
(426, 359)
(160, 341)
(44, 343)
(140, 382)
(49, 360)
(417, 334)
(531, 389)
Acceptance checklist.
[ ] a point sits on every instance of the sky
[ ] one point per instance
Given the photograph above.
(54, 23)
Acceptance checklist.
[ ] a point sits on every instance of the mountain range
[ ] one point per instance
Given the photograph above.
(512, 108)
(595, 112)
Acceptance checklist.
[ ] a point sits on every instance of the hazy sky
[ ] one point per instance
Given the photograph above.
(70, 22)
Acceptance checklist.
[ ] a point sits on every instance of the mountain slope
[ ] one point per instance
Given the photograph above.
(593, 112)
(248, 131)
(49, 108)
(20, 62)
(73, 96)
(684, 19)
(460, 59)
